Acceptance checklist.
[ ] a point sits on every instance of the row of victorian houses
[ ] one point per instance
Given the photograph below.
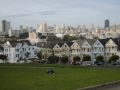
(93, 48)
(23, 49)
(17, 51)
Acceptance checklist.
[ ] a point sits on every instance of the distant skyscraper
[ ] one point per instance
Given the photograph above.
(4, 27)
(107, 23)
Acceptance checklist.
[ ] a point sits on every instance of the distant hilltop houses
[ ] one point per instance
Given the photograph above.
(24, 44)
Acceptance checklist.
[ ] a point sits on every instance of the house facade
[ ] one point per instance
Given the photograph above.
(75, 49)
(57, 49)
(19, 50)
(110, 49)
(98, 49)
(87, 49)
(65, 50)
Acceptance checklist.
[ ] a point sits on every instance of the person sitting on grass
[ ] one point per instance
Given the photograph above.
(50, 72)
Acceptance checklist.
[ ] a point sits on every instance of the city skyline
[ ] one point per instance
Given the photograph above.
(79, 12)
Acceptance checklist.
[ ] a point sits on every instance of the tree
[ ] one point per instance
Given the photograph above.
(86, 58)
(39, 55)
(76, 59)
(99, 60)
(3, 57)
(24, 35)
(113, 58)
(64, 59)
(53, 59)
(68, 38)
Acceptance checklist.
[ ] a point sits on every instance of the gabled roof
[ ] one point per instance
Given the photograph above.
(14, 43)
(117, 42)
(80, 42)
(25, 41)
(103, 41)
(91, 41)
(60, 44)
(69, 43)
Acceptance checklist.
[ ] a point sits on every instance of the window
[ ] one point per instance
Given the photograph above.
(33, 48)
(17, 55)
(88, 49)
(17, 50)
(99, 49)
(6, 50)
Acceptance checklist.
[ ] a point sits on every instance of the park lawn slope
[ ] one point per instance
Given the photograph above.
(67, 78)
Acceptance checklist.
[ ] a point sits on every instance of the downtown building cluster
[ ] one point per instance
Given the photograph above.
(48, 40)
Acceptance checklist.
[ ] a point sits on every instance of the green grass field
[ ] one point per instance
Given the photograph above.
(34, 77)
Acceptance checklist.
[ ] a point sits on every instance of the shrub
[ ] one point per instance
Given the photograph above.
(99, 60)
(86, 58)
(113, 58)
(64, 59)
(76, 59)
(53, 59)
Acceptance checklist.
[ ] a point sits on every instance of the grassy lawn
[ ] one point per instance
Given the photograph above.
(34, 77)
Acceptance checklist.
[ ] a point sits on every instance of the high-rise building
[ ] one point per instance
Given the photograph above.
(4, 27)
(107, 23)
(42, 28)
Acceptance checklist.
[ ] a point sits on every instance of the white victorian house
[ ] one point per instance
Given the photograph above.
(75, 49)
(58, 50)
(19, 50)
(65, 50)
(87, 48)
(99, 48)
(110, 48)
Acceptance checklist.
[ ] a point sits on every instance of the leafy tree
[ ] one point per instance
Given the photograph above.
(24, 35)
(64, 59)
(99, 60)
(3, 57)
(76, 59)
(113, 58)
(68, 38)
(53, 59)
(86, 58)
(39, 55)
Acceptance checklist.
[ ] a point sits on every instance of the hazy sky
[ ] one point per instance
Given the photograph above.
(71, 12)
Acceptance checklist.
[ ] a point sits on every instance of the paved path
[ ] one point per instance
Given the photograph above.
(111, 87)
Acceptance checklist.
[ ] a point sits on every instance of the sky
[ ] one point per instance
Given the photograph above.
(70, 12)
